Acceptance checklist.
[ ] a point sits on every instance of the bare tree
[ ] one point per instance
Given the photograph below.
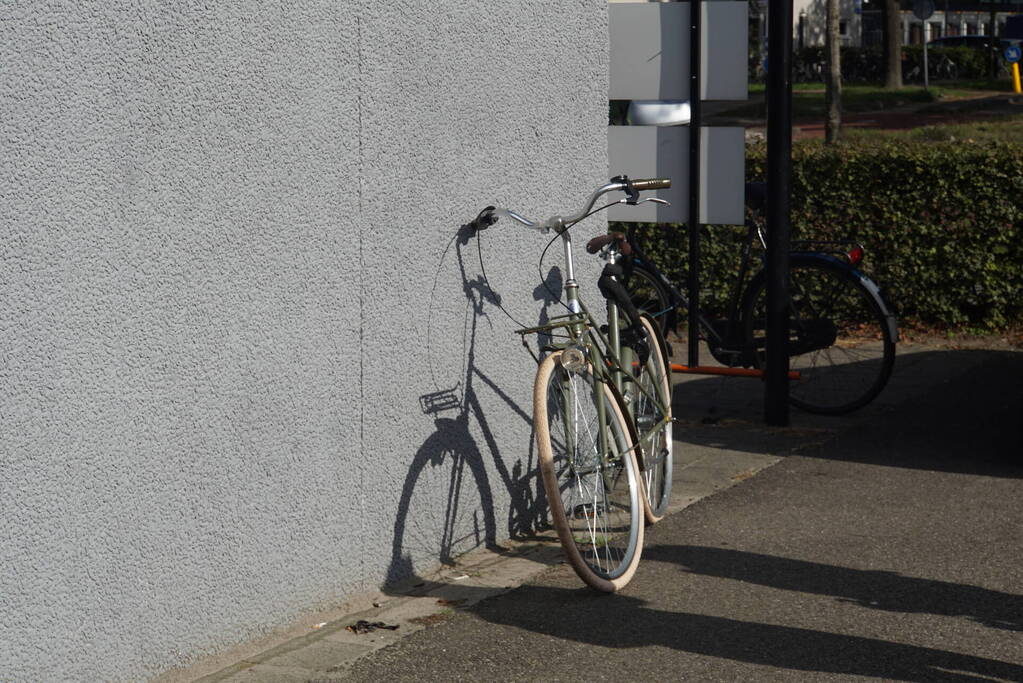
(893, 45)
(993, 56)
(833, 88)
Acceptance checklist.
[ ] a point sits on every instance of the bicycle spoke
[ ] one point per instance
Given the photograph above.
(589, 448)
(838, 339)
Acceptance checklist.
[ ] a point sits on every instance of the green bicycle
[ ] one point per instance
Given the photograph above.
(601, 406)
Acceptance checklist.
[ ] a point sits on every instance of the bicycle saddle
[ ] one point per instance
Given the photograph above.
(600, 241)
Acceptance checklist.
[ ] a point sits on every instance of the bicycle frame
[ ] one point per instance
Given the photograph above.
(605, 353)
(721, 339)
(713, 336)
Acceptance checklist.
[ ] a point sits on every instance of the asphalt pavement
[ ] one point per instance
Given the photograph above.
(887, 544)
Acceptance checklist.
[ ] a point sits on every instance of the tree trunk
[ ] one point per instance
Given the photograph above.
(833, 89)
(993, 57)
(893, 44)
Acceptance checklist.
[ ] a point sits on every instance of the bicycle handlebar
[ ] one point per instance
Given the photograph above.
(631, 188)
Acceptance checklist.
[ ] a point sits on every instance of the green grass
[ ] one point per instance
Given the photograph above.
(857, 98)
(808, 98)
(762, 88)
(808, 102)
(1001, 130)
(996, 85)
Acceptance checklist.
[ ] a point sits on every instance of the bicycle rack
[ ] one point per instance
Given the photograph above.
(730, 372)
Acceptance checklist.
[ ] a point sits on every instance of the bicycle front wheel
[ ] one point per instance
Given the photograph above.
(648, 395)
(589, 472)
(839, 340)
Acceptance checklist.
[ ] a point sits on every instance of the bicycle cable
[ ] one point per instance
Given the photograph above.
(543, 280)
(486, 280)
(539, 266)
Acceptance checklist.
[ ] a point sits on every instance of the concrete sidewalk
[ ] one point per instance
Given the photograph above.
(885, 544)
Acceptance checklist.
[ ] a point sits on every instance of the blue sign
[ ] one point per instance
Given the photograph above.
(1013, 53)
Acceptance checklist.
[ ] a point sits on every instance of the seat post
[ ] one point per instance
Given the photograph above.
(571, 286)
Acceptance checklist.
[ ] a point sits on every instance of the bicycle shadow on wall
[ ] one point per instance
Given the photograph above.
(447, 505)
(944, 410)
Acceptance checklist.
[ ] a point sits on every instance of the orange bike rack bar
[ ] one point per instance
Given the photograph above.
(732, 372)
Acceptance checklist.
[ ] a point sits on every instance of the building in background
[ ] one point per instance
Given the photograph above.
(861, 20)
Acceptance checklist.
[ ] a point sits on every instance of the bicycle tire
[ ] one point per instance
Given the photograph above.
(648, 397)
(446, 507)
(593, 492)
(827, 302)
(649, 295)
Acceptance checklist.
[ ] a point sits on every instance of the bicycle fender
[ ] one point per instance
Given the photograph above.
(872, 287)
(630, 425)
(875, 291)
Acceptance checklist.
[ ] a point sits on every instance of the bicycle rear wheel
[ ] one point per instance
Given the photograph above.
(589, 472)
(649, 295)
(648, 396)
(839, 339)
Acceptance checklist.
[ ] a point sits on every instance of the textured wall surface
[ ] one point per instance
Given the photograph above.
(247, 368)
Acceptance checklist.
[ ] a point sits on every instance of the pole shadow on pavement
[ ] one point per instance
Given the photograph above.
(959, 411)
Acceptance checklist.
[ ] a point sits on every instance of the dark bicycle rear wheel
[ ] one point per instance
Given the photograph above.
(649, 295)
(840, 341)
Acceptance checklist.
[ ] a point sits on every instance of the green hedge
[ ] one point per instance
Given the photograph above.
(970, 62)
(942, 224)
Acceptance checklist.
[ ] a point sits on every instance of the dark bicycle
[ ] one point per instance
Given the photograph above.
(842, 332)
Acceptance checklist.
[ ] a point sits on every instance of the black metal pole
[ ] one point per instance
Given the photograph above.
(695, 20)
(779, 173)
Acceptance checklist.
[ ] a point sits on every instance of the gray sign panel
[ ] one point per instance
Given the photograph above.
(650, 51)
(663, 152)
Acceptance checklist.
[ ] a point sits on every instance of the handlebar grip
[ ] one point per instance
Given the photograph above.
(651, 184)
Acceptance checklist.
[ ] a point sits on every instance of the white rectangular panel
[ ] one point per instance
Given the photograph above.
(653, 152)
(649, 57)
(649, 51)
(725, 46)
(723, 186)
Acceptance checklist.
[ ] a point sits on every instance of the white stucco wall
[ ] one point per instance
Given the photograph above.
(229, 290)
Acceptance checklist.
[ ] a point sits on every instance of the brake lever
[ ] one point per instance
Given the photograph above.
(655, 200)
(484, 220)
